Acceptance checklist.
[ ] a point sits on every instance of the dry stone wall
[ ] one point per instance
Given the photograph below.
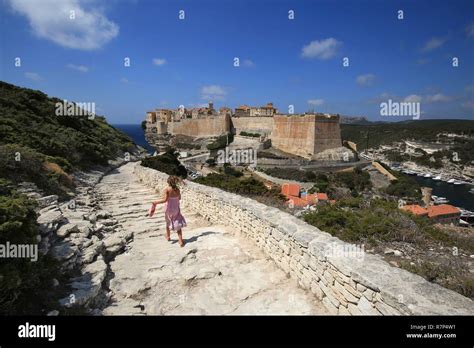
(347, 281)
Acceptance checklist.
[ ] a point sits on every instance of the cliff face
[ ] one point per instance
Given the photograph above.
(158, 141)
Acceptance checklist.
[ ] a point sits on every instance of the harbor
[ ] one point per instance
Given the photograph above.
(458, 192)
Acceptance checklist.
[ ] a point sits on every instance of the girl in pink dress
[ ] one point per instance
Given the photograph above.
(174, 219)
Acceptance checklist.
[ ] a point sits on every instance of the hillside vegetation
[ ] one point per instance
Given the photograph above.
(40, 147)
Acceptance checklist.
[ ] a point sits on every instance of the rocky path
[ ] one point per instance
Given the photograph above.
(215, 273)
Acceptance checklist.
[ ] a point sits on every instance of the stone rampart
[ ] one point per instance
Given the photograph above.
(209, 126)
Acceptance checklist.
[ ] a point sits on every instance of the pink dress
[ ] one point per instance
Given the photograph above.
(174, 219)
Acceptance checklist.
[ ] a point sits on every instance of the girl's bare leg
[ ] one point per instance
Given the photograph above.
(180, 238)
(167, 236)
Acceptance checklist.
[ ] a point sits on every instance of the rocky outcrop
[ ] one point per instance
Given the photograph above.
(79, 235)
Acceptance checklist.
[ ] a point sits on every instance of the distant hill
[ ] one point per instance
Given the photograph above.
(354, 120)
(419, 130)
(36, 145)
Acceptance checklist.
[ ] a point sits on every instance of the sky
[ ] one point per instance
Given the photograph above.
(289, 53)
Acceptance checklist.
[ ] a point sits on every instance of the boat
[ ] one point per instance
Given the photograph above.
(427, 175)
(437, 178)
(467, 216)
(439, 200)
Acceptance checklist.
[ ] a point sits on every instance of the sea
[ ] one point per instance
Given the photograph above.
(135, 132)
(458, 195)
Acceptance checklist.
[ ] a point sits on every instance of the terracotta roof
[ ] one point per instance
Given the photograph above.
(243, 107)
(442, 209)
(322, 196)
(290, 190)
(415, 209)
(298, 202)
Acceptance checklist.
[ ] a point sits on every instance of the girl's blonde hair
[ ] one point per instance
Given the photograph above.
(174, 182)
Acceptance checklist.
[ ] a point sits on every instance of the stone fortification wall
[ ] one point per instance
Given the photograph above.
(327, 134)
(254, 124)
(347, 281)
(294, 134)
(306, 135)
(209, 126)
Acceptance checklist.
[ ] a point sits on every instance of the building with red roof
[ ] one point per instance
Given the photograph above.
(296, 199)
(443, 213)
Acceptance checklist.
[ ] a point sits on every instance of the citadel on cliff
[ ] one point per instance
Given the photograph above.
(305, 135)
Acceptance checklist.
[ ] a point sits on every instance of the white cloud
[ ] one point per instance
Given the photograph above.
(413, 98)
(365, 80)
(213, 92)
(433, 43)
(81, 68)
(470, 30)
(159, 61)
(438, 97)
(316, 102)
(248, 63)
(323, 49)
(51, 20)
(124, 80)
(33, 76)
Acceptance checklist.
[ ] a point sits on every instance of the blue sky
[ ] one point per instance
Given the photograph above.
(289, 62)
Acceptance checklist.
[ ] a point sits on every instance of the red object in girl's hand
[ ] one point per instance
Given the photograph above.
(151, 211)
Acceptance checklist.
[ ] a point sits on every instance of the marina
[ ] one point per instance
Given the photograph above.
(455, 191)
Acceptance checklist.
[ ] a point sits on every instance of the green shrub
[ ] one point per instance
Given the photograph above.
(229, 170)
(167, 163)
(247, 186)
(357, 180)
(404, 187)
(211, 162)
(221, 142)
(246, 134)
(354, 220)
